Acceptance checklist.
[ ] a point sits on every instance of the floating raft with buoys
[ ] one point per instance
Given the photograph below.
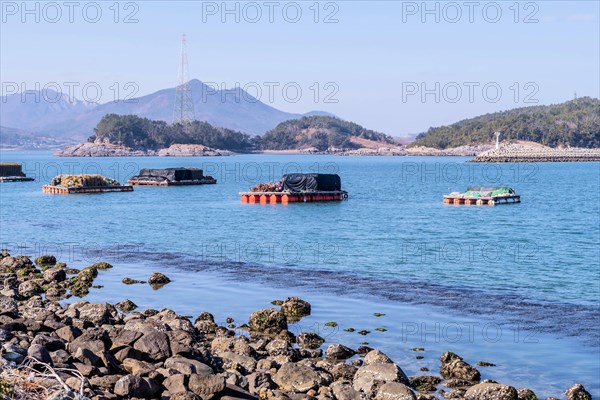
(12, 172)
(481, 196)
(297, 188)
(289, 197)
(76, 184)
(171, 177)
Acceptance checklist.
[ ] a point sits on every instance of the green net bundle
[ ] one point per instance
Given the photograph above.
(84, 180)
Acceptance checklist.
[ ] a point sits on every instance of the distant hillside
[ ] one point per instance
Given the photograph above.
(145, 134)
(233, 109)
(11, 138)
(316, 132)
(320, 132)
(575, 123)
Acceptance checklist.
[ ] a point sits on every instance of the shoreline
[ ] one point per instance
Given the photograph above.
(291, 354)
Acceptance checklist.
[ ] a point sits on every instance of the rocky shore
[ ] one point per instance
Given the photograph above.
(53, 350)
(511, 154)
(89, 149)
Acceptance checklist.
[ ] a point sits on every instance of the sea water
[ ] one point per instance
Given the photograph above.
(516, 285)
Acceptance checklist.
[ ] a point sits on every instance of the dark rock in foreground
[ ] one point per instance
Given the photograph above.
(154, 354)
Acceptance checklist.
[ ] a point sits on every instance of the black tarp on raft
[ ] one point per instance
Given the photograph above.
(171, 174)
(311, 182)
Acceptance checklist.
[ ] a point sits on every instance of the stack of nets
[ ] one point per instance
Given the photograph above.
(11, 169)
(266, 187)
(80, 181)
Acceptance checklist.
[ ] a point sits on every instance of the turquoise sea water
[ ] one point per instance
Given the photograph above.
(521, 283)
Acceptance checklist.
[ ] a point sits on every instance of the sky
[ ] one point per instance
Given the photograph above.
(398, 67)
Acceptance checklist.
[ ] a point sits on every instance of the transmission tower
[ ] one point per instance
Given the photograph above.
(183, 112)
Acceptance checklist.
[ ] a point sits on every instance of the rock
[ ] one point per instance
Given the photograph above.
(577, 392)
(84, 369)
(17, 358)
(8, 306)
(43, 261)
(526, 394)
(376, 357)
(367, 377)
(176, 384)
(40, 353)
(233, 392)
(138, 367)
(177, 149)
(279, 347)
(237, 362)
(124, 336)
(29, 289)
(338, 352)
(60, 357)
(86, 356)
(135, 386)
(129, 281)
(126, 306)
(395, 391)
(258, 381)
(155, 345)
(68, 333)
(187, 366)
(344, 391)
(343, 371)
(105, 382)
(309, 340)
(206, 386)
(296, 377)
(491, 391)
(158, 280)
(295, 308)
(55, 275)
(49, 342)
(268, 320)
(185, 396)
(97, 314)
(453, 367)
(102, 266)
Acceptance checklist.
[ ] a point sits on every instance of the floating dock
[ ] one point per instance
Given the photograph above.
(12, 172)
(481, 201)
(80, 190)
(290, 197)
(171, 177)
(206, 181)
(481, 196)
(15, 179)
(79, 184)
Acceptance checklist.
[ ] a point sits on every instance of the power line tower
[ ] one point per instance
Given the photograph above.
(183, 112)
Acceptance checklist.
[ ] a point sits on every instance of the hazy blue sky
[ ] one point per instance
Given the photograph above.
(376, 56)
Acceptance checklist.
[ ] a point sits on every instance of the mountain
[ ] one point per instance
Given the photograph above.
(575, 123)
(321, 133)
(233, 109)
